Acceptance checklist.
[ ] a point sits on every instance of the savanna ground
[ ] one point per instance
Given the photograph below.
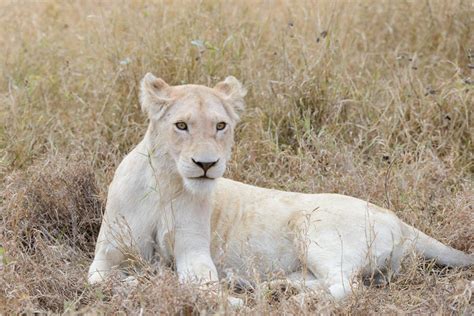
(372, 99)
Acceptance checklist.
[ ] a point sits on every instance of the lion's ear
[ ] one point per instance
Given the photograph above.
(233, 93)
(154, 95)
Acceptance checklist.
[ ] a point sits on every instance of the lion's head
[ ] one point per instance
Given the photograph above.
(193, 125)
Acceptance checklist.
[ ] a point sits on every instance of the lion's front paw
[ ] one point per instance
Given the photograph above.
(198, 273)
(95, 277)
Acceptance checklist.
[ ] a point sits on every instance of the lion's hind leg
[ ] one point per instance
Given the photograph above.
(332, 272)
(332, 260)
(387, 267)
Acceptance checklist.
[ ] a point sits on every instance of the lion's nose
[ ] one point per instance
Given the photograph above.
(205, 165)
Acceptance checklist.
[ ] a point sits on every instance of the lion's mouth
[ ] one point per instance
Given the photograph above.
(203, 177)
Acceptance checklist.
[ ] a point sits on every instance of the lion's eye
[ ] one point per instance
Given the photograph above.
(220, 126)
(181, 126)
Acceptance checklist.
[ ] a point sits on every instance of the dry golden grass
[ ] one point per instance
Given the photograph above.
(368, 98)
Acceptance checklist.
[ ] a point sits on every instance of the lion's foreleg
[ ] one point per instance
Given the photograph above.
(192, 243)
(113, 242)
(107, 256)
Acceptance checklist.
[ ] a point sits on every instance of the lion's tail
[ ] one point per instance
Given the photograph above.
(430, 248)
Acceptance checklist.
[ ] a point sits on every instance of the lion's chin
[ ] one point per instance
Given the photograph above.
(199, 186)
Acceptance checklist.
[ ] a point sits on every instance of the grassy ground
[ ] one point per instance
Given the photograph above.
(368, 98)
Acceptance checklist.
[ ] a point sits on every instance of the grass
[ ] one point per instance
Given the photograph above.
(368, 98)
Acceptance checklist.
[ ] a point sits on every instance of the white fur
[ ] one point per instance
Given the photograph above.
(210, 227)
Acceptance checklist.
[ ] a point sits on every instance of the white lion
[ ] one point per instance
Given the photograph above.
(168, 199)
